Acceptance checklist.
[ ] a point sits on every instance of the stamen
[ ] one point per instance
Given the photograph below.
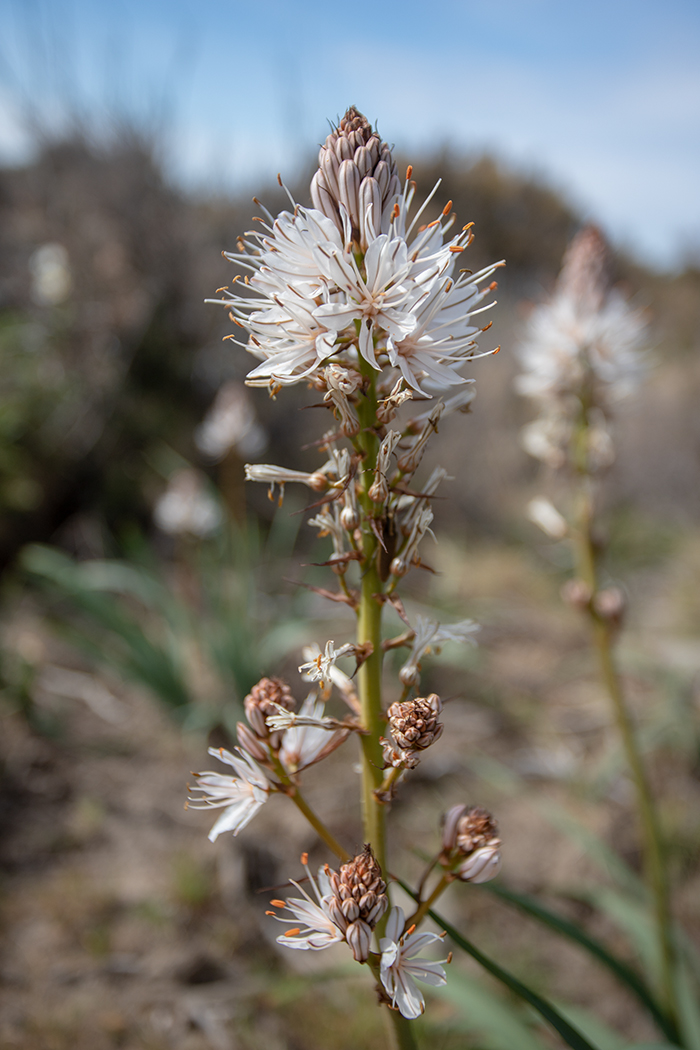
(410, 930)
(292, 933)
(278, 904)
(305, 859)
(447, 209)
(409, 172)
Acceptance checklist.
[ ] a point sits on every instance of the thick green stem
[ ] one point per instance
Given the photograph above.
(401, 1031)
(369, 629)
(655, 867)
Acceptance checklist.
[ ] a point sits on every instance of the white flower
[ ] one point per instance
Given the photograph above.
(583, 351)
(230, 423)
(428, 637)
(482, 865)
(400, 966)
(319, 665)
(313, 277)
(187, 506)
(242, 795)
(542, 512)
(281, 476)
(312, 926)
(310, 737)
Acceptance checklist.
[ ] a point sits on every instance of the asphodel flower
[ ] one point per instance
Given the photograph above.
(583, 353)
(357, 278)
(430, 636)
(312, 926)
(242, 795)
(401, 967)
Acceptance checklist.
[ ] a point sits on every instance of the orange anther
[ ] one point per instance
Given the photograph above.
(493, 286)
(447, 209)
(409, 172)
(278, 904)
(305, 859)
(292, 933)
(410, 930)
(496, 350)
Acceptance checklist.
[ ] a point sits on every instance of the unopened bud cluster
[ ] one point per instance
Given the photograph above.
(263, 700)
(470, 844)
(359, 900)
(414, 726)
(355, 169)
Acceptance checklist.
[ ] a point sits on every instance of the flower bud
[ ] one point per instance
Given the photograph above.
(263, 700)
(470, 844)
(356, 176)
(610, 606)
(414, 723)
(576, 593)
(359, 900)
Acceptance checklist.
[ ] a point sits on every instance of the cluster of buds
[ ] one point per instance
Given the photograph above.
(359, 900)
(414, 726)
(355, 169)
(264, 701)
(470, 844)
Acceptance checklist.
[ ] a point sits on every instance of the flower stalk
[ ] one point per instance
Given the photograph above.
(604, 631)
(369, 307)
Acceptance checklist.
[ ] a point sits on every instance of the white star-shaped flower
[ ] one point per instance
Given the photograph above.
(242, 795)
(400, 966)
(312, 926)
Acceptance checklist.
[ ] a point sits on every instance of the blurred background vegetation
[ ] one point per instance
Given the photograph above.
(133, 626)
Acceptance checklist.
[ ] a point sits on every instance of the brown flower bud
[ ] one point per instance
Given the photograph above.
(359, 900)
(356, 170)
(610, 606)
(576, 593)
(414, 723)
(261, 702)
(470, 844)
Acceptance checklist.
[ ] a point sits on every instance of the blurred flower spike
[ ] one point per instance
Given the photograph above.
(582, 354)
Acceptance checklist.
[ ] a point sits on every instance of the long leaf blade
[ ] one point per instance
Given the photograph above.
(569, 929)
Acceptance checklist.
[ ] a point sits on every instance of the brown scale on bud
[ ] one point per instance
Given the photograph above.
(359, 900)
(356, 170)
(470, 844)
(260, 703)
(414, 723)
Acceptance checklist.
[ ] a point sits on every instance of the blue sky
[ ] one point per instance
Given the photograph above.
(602, 99)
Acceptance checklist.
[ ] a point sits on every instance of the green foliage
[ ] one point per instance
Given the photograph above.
(197, 637)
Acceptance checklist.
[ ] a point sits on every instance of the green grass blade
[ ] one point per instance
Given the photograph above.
(568, 929)
(496, 1022)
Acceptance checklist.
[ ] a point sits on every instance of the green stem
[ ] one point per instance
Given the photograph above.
(318, 825)
(400, 1030)
(369, 629)
(655, 867)
(424, 906)
(292, 791)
